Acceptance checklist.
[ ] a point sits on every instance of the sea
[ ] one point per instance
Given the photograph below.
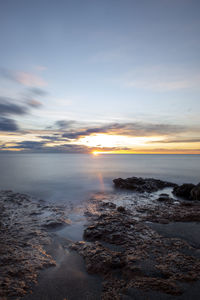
(70, 180)
(73, 178)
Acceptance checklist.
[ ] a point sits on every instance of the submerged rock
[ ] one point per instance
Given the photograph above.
(142, 185)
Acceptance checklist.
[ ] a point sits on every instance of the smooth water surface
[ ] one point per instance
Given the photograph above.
(73, 177)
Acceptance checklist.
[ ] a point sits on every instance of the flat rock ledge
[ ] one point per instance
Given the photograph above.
(24, 235)
(128, 254)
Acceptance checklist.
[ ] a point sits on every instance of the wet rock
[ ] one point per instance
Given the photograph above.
(128, 254)
(121, 209)
(164, 198)
(109, 204)
(142, 185)
(195, 192)
(23, 238)
(53, 224)
(184, 190)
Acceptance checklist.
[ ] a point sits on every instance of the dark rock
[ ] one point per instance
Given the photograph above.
(184, 190)
(142, 185)
(165, 197)
(195, 192)
(109, 204)
(121, 209)
(127, 253)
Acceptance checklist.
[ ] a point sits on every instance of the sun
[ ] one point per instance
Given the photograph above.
(95, 153)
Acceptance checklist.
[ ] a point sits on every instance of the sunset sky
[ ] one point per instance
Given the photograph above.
(109, 76)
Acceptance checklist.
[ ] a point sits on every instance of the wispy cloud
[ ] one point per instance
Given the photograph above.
(177, 140)
(40, 68)
(64, 124)
(128, 129)
(29, 79)
(24, 78)
(161, 79)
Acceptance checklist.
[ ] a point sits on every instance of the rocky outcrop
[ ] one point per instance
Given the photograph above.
(23, 237)
(128, 254)
(184, 190)
(142, 185)
(195, 192)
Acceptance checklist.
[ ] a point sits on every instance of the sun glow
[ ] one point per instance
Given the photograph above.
(107, 140)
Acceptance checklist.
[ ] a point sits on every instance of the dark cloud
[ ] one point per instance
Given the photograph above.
(63, 124)
(53, 138)
(35, 146)
(193, 140)
(130, 129)
(30, 145)
(8, 107)
(7, 124)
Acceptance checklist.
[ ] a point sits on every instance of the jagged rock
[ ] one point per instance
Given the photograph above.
(184, 190)
(142, 185)
(109, 204)
(121, 209)
(128, 253)
(195, 192)
(23, 240)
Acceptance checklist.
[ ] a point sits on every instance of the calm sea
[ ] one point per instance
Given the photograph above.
(73, 177)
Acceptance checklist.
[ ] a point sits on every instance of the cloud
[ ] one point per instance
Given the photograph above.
(30, 145)
(40, 68)
(63, 124)
(7, 107)
(7, 124)
(29, 79)
(35, 146)
(161, 79)
(34, 103)
(31, 96)
(193, 140)
(53, 138)
(129, 129)
(24, 78)
(37, 91)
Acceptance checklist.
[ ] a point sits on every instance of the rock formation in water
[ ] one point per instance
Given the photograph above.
(142, 185)
(187, 191)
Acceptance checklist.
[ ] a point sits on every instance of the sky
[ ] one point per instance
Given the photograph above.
(100, 76)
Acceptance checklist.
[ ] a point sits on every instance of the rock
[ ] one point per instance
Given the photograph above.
(121, 209)
(165, 197)
(142, 185)
(195, 192)
(109, 204)
(184, 190)
(127, 253)
(23, 241)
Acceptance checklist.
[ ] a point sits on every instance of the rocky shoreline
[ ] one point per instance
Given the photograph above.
(120, 246)
(24, 234)
(120, 242)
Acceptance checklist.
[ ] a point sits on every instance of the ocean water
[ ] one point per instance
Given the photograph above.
(73, 177)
